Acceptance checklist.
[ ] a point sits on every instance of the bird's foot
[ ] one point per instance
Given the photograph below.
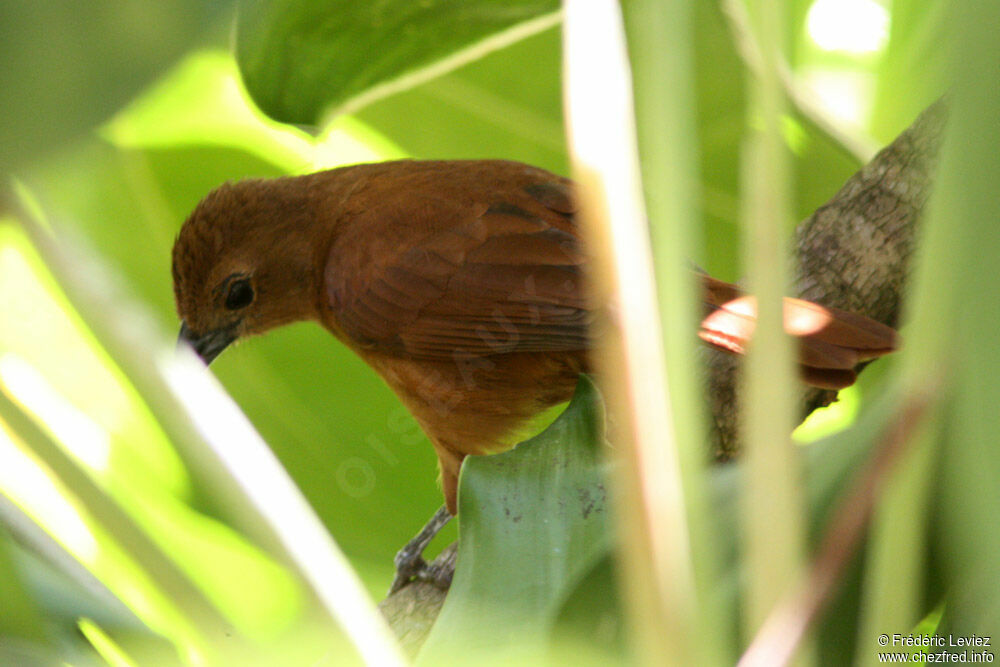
(410, 563)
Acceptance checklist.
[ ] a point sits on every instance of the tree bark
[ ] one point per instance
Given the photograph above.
(853, 254)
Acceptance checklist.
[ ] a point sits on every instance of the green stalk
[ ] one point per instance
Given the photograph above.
(660, 36)
(774, 519)
(649, 496)
(956, 316)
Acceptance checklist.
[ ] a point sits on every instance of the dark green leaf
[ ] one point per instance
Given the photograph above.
(301, 58)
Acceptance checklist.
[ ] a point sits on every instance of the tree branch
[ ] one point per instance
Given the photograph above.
(853, 253)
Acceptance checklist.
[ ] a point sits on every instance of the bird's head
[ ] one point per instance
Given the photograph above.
(244, 263)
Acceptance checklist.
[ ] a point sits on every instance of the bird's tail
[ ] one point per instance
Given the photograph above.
(832, 342)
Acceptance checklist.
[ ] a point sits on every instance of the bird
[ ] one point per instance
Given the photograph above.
(462, 283)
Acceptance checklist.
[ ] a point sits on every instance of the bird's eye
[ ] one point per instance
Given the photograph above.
(240, 294)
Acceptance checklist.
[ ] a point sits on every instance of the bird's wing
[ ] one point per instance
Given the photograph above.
(498, 274)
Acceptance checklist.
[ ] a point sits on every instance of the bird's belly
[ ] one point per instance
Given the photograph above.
(471, 405)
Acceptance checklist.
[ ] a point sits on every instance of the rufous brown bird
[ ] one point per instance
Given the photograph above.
(460, 282)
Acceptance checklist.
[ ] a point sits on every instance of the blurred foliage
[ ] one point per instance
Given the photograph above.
(960, 485)
(914, 71)
(119, 116)
(68, 66)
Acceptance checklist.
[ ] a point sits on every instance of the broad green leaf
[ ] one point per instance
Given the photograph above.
(302, 58)
(533, 520)
(506, 105)
(201, 103)
(591, 625)
(296, 57)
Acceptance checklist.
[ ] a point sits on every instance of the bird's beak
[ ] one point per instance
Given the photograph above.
(209, 345)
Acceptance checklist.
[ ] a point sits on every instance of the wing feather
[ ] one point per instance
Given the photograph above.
(486, 277)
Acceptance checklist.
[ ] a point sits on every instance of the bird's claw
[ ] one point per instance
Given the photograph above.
(410, 563)
(409, 567)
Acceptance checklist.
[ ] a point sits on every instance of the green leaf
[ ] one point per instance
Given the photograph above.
(300, 58)
(533, 520)
(506, 105)
(590, 628)
(532, 561)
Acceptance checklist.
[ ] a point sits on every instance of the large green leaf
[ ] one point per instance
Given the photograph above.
(506, 105)
(830, 467)
(532, 522)
(301, 58)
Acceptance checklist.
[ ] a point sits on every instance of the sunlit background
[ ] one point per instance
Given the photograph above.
(844, 38)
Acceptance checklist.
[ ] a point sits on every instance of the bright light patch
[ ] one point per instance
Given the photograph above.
(854, 26)
(203, 102)
(249, 463)
(829, 420)
(80, 434)
(60, 370)
(28, 484)
(845, 94)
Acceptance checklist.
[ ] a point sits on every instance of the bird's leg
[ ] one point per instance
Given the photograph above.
(410, 563)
